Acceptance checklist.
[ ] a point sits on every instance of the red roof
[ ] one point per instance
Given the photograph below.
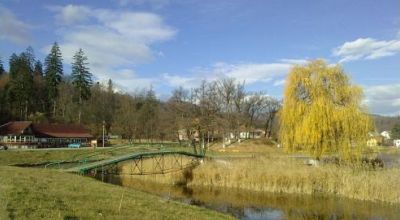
(14, 127)
(45, 130)
(61, 131)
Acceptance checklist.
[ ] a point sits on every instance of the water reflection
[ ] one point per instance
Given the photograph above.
(254, 205)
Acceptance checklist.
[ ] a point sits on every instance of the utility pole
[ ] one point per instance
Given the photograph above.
(103, 132)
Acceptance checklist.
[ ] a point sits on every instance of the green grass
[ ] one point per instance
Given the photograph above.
(12, 157)
(31, 193)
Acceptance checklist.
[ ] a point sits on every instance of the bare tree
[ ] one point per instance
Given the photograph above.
(272, 107)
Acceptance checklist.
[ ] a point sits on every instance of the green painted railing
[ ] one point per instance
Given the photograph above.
(83, 169)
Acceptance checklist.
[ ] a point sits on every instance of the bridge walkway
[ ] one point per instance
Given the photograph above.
(84, 168)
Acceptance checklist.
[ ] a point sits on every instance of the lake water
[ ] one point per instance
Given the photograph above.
(250, 205)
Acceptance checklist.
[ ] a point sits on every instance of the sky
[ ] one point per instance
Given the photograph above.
(164, 44)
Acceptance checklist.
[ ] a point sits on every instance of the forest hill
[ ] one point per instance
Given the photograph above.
(34, 92)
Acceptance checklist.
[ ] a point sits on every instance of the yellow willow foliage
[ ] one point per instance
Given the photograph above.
(322, 112)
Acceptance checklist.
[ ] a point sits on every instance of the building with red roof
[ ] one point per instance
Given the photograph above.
(25, 134)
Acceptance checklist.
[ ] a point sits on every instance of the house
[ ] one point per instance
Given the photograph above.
(184, 136)
(25, 134)
(372, 142)
(256, 133)
(396, 143)
(385, 134)
(375, 139)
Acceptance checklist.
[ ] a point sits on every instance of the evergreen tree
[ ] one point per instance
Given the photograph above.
(21, 84)
(110, 106)
(53, 74)
(30, 57)
(1, 67)
(395, 132)
(38, 69)
(81, 78)
(39, 86)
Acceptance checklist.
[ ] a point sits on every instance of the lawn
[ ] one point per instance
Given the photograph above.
(34, 193)
(39, 156)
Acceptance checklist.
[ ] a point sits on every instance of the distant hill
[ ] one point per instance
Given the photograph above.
(385, 123)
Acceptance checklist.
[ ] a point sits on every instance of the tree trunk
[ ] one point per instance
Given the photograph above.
(54, 108)
(80, 109)
(26, 110)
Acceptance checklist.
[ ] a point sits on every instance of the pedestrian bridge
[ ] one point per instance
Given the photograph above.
(140, 163)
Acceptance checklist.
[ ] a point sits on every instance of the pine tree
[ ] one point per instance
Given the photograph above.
(1, 67)
(39, 85)
(30, 57)
(395, 132)
(21, 83)
(53, 74)
(322, 112)
(38, 69)
(109, 111)
(81, 78)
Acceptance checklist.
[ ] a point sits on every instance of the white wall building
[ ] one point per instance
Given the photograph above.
(385, 134)
(396, 143)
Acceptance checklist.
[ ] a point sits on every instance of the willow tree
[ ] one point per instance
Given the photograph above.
(322, 112)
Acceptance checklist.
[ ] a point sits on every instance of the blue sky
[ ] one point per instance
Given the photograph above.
(170, 43)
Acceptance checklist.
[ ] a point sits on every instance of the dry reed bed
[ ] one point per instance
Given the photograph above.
(271, 170)
(277, 174)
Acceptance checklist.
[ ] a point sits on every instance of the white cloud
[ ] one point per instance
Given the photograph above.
(366, 48)
(113, 40)
(72, 14)
(254, 72)
(13, 29)
(184, 81)
(294, 61)
(156, 4)
(383, 99)
(280, 82)
(249, 73)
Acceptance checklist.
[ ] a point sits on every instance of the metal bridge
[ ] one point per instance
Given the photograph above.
(159, 165)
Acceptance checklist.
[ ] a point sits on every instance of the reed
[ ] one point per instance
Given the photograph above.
(268, 169)
(273, 171)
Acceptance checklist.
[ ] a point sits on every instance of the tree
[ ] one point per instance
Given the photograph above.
(126, 117)
(81, 78)
(109, 106)
(65, 101)
(253, 108)
(149, 115)
(272, 107)
(1, 67)
(395, 132)
(39, 88)
(322, 112)
(38, 69)
(21, 83)
(54, 72)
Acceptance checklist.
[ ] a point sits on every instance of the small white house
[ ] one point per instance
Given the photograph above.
(396, 143)
(385, 134)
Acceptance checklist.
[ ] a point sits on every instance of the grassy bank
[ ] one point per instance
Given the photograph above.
(33, 193)
(270, 170)
(38, 156)
(28, 193)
